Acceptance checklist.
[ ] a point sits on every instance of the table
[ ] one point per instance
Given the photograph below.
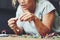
(16, 37)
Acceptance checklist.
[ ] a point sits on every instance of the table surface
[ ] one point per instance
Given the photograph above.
(16, 37)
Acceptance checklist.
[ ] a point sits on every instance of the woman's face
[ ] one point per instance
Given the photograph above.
(26, 4)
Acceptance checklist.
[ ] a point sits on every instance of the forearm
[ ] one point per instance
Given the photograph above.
(42, 29)
(17, 30)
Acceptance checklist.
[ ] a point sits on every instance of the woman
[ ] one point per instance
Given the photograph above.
(34, 17)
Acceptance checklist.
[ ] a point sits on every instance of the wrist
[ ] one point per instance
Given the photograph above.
(35, 19)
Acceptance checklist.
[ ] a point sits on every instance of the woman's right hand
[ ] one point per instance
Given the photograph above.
(12, 22)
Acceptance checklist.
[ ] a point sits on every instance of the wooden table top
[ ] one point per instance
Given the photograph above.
(15, 37)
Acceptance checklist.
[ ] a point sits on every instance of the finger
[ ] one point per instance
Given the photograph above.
(25, 12)
(12, 26)
(25, 16)
(12, 22)
(22, 15)
(12, 19)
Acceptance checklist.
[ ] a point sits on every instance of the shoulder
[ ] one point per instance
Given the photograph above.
(44, 6)
(44, 3)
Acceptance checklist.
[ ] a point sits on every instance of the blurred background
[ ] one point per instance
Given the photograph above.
(7, 11)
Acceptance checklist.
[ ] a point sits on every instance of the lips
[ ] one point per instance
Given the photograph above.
(24, 6)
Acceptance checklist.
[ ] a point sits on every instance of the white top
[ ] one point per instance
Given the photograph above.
(42, 7)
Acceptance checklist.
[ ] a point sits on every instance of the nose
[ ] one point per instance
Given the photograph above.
(23, 1)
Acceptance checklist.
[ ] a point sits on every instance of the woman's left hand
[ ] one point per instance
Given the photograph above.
(27, 16)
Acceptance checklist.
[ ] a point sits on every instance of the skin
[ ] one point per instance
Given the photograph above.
(12, 24)
(29, 6)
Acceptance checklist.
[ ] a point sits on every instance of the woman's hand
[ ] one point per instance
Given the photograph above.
(27, 16)
(12, 22)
